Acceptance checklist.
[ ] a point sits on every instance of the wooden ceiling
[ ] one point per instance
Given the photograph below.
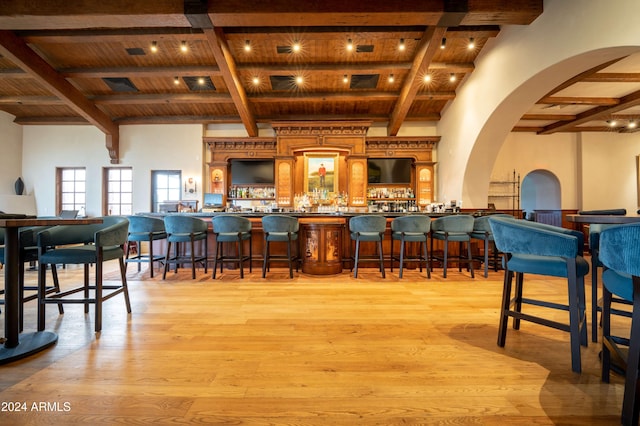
(91, 62)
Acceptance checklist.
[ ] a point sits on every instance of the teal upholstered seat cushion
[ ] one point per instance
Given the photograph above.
(145, 228)
(554, 266)
(229, 228)
(280, 227)
(181, 229)
(452, 228)
(413, 228)
(618, 283)
(367, 227)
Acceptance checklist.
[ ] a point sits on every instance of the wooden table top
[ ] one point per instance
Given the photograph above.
(606, 219)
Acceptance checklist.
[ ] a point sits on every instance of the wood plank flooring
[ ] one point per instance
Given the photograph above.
(328, 350)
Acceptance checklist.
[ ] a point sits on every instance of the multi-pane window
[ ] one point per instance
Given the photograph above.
(71, 184)
(165, 187)
(117, 191)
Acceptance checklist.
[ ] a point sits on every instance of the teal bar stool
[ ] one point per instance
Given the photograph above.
(454, 228)
(231, 229)
(85, 245)
(182, 230)
(620, 256)
(540, 249)
(280, 228)
(148, 229)
(482, 231)
(367, 228)
(411, 229)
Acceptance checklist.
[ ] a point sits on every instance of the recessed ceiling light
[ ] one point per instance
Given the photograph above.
(443, 43)
(176, 81)
(391, 79)
(296, 47)
(154, 46)
(345, 79)
(247, 46)
(452, 77)
(183, 46)
(256, 81)
(299, 80)
(349, 45)
(427, 78)
(401, 46)
(472, 44)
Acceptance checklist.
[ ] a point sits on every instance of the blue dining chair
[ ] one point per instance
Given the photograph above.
(411, 229)
(147, 229)
(540, 249)
(367, 228)
(620, 255)
(284, 229)
(92, 244)
(449, 229)
(182, 231)
(482, 231)
(231, 229)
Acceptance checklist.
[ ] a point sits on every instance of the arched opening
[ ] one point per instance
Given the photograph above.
(540, 197)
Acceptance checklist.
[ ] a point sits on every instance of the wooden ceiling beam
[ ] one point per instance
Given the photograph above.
(575, 100)
(613, 77)
(14, 48)
(425, 52)
(227, 66)
(599, 112)
(578, 78)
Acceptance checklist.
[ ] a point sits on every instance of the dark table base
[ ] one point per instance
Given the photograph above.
(30, 343)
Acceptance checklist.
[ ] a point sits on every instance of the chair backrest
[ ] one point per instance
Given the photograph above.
(280, 223)
(139, 223)
(620, 248)
(368, 223)
(230, 223)
(518, 236)
(481, 223)
(412, 223)
(454, 223)
(181, 224)
(82, 234)
(68, 214)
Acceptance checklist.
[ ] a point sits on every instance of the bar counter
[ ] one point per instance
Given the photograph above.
(325, 245)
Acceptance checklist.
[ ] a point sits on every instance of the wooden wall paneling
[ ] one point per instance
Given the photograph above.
(285, 179)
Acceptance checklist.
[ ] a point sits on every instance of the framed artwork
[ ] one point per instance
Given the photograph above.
(321, 172)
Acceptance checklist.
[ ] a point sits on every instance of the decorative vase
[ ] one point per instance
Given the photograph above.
(19, 186)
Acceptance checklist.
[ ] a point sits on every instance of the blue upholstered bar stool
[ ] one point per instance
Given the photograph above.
(280, 228)
(482, 231)
(148, 229)
(182, 230)
(367, 228)
(454, 228)
(620, 256)
(411, 229)
(85, 245)
(231, 229)
(540, 249)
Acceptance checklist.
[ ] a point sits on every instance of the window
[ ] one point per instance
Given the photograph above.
(165, 187)
(117, 184)
(71, 188)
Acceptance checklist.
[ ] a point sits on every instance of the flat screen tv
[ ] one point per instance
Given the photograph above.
(389, 170)
(211, 199)
(245, 172)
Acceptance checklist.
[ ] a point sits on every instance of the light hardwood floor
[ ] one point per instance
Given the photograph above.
(328, 350)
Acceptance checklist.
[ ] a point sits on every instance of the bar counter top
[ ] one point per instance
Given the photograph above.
(319, 214)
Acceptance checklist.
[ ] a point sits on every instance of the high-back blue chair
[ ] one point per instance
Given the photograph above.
(534, 248)
(411, 229)
(367, 228)
(182, 230)
(280, 228)
(482, 231)
(232, 229)
(454, 228)
(147, 229)
(84, 245)
(620, 255)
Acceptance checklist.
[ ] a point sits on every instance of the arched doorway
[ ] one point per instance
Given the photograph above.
(540, 197)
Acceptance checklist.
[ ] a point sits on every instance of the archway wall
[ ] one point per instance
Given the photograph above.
(523, 64)
(540, 191)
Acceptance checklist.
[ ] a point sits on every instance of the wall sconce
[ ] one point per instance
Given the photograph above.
(190, 186)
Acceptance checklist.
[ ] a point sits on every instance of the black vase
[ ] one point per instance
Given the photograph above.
(19, 186)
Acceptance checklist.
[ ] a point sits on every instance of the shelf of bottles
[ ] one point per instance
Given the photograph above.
(391, 199)
(252, 193)
(321, 202)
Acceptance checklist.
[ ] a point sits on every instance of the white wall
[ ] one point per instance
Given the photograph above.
(144, 147)
(11, 154)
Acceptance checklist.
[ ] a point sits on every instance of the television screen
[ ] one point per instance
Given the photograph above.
(389, 170)
(211, 199)
(252, 171)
